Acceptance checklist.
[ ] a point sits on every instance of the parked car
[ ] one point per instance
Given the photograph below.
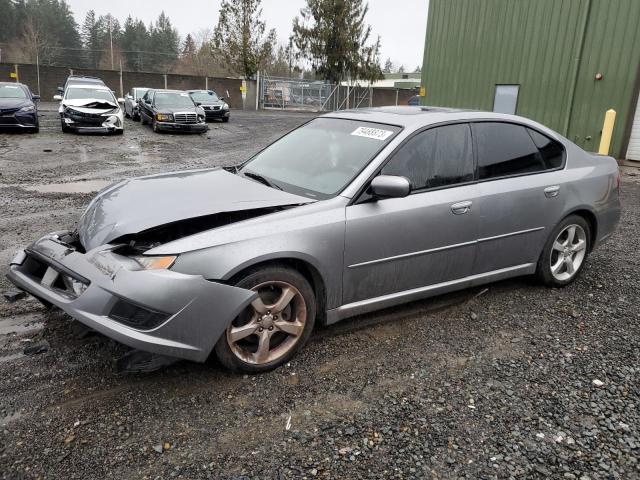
(90, 108)
(352, 212)
(79, 80)
(18, 107)
(172, 111)
(214, 107)
(131, 108)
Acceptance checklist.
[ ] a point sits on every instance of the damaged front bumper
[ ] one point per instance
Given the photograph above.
(92, 123)
(158, 311)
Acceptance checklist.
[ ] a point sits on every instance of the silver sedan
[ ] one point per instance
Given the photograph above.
(352, 212)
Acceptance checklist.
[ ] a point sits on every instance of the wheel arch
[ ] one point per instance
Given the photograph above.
(300, 264)
(591, 218)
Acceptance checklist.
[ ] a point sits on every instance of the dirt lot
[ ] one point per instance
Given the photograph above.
(509, 381)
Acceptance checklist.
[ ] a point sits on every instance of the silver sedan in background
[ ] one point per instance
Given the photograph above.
(131, 99)
(352, 212)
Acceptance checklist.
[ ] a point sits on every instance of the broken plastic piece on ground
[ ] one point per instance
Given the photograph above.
(137, 361)
(37, 348)
(13, 295)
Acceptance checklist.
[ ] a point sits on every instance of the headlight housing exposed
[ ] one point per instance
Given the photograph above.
(150, 262)
(164, 117)
(27, 109)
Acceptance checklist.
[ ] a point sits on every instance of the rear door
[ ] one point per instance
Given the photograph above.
(398, 244)
(520, 193)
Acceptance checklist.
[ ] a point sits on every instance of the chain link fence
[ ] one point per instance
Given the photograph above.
(278, 93)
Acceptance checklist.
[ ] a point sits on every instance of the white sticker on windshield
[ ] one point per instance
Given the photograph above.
(375, 133)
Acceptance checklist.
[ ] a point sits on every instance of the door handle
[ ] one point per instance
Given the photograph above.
(552, 191)
(461, 207)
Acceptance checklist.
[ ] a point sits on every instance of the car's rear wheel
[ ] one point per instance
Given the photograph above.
(274, 326)
(565, 252)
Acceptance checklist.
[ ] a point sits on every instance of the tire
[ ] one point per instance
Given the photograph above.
(126, 115)
(135, 117)
(225, 119)
(36, 129)
(119, 132)
(154, 126)
(143, 120)
(65, 129)
(570, 248)
(274, 284)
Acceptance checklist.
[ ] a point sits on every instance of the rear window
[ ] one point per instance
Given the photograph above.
(505, 149)
(552, 152)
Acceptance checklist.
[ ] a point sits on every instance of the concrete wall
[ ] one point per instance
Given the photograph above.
(53, 77)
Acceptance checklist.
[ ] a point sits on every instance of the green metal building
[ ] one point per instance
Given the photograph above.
(563, 63)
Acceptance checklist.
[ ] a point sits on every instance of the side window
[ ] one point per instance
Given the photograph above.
(505, 149)
(435, 158)
(552, 152)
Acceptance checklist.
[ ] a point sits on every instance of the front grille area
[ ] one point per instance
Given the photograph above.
(136, 316)
(214, 108)
(186, 117)
(91, 119)
(8, 121)
(8, 111)
(63, 281)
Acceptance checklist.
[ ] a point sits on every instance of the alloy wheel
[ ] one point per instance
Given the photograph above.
(568, 252)
(271, 326)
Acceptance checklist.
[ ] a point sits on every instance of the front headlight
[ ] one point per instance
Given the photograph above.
(27, 109)
(164, 117)
(155, 263)
(225, 106)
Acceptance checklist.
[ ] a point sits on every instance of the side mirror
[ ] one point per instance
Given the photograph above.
(121, 100)
(57, 98)
(198, 103)
(60, 90)
(35, 97)
(388, 186)
(222, 99)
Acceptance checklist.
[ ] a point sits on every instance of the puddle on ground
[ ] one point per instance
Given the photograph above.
(87, 186)
(21, 324)
(10, 357)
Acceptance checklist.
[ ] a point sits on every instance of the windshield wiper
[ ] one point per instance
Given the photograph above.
(261, 179)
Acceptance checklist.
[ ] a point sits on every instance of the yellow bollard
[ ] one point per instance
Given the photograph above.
(607, 132)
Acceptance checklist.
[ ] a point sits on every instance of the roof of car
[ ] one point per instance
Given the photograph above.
(418, 116)
(161, 90)
(14, 84)
(95, 86)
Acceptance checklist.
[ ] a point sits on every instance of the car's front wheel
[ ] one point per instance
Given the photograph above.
(565, 252)
(270, 331)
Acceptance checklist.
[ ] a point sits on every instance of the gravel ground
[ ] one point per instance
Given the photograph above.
(509, 381)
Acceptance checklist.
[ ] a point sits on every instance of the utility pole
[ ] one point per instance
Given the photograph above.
(290, 55)
(111, 38)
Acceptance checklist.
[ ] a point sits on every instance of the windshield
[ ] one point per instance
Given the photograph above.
(79, 93)
(139, 92)
(12, 91)
(173, 100)
(204, 97)
(320, 158)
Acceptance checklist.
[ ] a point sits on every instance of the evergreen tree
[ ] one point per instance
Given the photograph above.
(418, 69)
(388, 66)
(165, 42)
(401, 69)
(189, 49)
(90, 34)
(240, 39)
(333, 36)
(135, 41)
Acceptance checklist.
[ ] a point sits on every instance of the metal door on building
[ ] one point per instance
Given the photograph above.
(633, 150)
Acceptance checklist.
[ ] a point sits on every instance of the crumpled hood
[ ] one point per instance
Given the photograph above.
(90, 105)
(136, 205)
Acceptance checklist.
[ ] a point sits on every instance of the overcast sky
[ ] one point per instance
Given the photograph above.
(400, 24)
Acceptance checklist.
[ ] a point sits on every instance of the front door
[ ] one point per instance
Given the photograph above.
(398, 244)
